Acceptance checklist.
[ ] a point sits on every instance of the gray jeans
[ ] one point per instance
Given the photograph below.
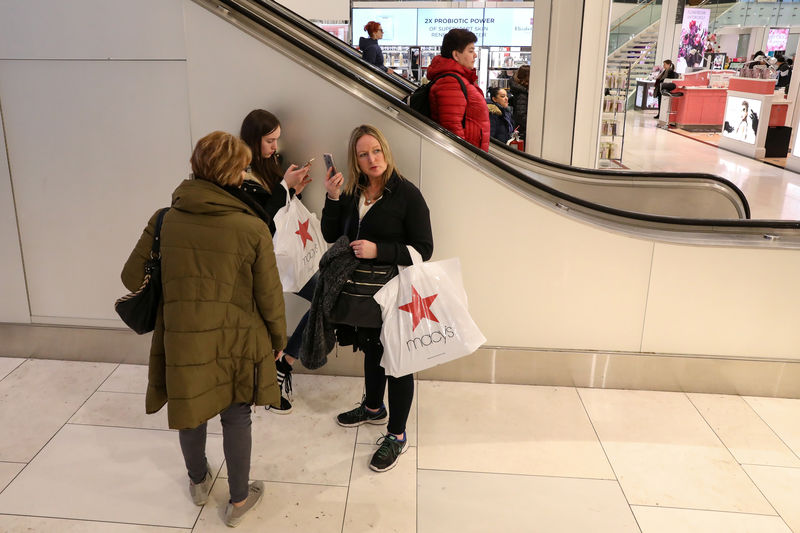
(237, 443)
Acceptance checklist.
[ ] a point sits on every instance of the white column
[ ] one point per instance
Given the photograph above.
(669, 32)
(570, 42)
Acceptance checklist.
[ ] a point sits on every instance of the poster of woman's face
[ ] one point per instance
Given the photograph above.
(741, 119)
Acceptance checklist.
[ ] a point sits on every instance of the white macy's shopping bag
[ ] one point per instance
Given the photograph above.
(298, 244)
(425, 317)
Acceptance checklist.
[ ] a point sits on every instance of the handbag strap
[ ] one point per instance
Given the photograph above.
(155, 250)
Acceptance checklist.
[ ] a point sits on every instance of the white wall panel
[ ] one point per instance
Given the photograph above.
(14, 298)
(91, 29)
(95, 149)
(534, 277)
(320, 9)
(724, 301)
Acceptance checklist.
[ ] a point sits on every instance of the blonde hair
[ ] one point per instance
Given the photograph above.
(220, 157)
(356, 181)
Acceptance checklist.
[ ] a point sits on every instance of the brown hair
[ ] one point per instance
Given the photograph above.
(220, 157)
(523, 75)
(456, 40)
(356, 181)
(372, 27)
(255, 125)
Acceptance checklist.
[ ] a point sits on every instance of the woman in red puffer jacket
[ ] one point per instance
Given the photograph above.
(466, 117)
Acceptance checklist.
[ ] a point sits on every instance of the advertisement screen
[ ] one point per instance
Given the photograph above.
(694, 33)
(399, 25)
(427, 27)
(741, 119)
(777, 39)
(508, 27)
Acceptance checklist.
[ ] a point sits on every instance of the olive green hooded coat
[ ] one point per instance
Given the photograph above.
(223, 311)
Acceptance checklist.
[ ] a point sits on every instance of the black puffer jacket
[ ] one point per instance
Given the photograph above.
(399, 218)
(520, 104)
(371, 52)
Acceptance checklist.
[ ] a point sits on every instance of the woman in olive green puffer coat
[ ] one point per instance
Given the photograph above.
(222, 318)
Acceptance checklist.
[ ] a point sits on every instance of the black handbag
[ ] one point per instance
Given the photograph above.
(139, 309)
(355, 305)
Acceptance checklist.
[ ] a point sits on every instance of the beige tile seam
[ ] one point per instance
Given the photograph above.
(24, 360)
(544, 476)
(350, 479)
(733, 457)
(96, 390)
(769, 426)
(610, 465)
(701, 510)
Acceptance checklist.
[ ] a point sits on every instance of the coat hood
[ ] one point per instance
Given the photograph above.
(366, 42)
(442, 65)
(205, 198)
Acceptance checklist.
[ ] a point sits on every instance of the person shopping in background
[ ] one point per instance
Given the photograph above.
(211, 242)
(381, 213)
(370, 49)
(271, 188)
(466, 117)
(784, 73)
(500, 115)
(667, 73)
(519, 98)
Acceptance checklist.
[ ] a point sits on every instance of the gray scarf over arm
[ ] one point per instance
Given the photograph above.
(319, 338)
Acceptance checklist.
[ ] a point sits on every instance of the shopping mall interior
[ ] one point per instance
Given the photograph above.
(631, 270)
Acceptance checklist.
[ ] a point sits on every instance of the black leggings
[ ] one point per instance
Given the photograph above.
(401, 390)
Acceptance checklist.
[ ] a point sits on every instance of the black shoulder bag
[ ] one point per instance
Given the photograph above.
(355, 305)
(139, 309)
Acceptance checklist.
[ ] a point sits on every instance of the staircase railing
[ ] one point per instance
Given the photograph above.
(632, 23)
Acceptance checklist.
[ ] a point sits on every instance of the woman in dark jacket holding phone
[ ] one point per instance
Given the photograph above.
(381, 213)
(271, 189)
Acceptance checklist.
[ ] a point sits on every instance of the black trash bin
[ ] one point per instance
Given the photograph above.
(777, 144)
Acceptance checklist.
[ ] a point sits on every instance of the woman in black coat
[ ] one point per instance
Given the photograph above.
(519, 98)
(370, 49)
(270, 189)
(667, 73)
(381, 213)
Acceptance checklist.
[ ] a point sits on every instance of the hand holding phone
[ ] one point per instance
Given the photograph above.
(329, 163)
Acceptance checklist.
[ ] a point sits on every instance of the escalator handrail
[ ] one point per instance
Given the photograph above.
(293, 18)
(298, 20)
(518, 175)
(627, 174)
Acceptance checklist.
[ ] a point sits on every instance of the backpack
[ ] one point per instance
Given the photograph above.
(420, 102)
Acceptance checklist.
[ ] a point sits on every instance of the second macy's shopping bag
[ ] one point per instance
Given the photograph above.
(425, 317)
(298, 244)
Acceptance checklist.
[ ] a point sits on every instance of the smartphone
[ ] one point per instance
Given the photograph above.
(308, 163)
(329, 162)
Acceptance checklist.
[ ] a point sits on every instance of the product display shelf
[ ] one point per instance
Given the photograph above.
(614, 112)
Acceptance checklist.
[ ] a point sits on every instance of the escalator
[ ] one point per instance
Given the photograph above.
(553, 256)
(668, 194)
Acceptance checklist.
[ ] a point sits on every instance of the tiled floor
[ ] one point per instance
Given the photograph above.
(773, 193)
(78, 455)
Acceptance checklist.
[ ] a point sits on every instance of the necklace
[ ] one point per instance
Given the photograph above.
(370, 201)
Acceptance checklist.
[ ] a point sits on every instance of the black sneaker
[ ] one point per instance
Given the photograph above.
(360, 415)
(386, 457)
(284, 409)
(284, 375)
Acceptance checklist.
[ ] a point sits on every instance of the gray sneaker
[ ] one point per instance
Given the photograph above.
(234, 515)
(200, 491)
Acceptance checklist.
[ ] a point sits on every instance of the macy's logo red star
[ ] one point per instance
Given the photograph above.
(419, 307)
(302, 230)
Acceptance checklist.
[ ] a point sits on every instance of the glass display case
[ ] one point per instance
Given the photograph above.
(504, 62)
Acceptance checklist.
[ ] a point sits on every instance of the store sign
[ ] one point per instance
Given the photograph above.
(509, 27)
(427, 27)
(777, 39)
(741, 119)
